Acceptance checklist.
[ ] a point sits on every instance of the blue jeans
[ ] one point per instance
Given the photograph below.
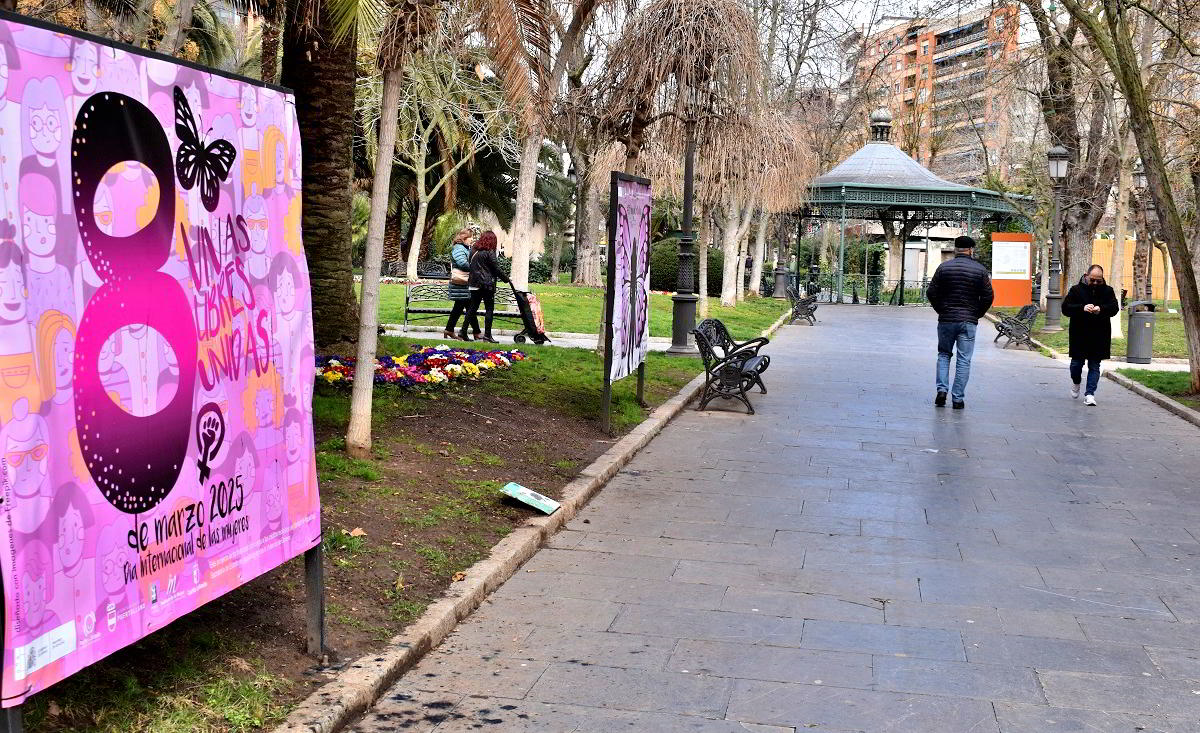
(1093, 374)
(953, 337)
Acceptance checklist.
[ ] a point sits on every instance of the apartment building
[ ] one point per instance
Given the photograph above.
(950, 85)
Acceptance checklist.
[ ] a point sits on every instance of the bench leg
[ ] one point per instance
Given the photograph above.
(758, 380)
(745, 401)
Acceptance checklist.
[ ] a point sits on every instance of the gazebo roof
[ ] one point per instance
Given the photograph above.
(880, 178)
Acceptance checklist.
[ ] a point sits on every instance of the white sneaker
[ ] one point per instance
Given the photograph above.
(1075, 391)
(1090, 400)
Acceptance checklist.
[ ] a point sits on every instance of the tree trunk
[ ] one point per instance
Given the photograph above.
(1116, 265)
(414, 249)
(1141, 258)
(176, 34)
(322, 76)
(729, 247)
(743, 246)
(760, 254)
(272, 26)
(523, 219)
(701, 247)
(555, 255)
(1079, 238)
(9, 5)
(358, 435)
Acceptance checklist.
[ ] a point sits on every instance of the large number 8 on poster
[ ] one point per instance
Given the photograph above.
(135, 460)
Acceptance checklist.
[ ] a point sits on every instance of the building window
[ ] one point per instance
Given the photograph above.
(925, 48)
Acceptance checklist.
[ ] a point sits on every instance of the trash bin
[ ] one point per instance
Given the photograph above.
(1140, 346)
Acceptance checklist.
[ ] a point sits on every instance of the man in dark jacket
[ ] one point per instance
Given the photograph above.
(1090, 304)
(960, 292)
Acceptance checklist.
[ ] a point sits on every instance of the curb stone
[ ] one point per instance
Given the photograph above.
(337, 703)
(1156, 397)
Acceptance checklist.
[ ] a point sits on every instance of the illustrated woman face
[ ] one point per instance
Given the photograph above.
(244, 467)
(103, 209)
(108, 356)
(45, 129)
(33, 590)
(12, 294)
(39, 232)
(85, 68)
(285, 293)
(111, 574)
(26, 454)
(70, 537)
(249, 106)
(263, 407)
(64, 359)
(292, 437)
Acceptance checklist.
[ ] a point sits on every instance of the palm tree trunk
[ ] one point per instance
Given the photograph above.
(555, 255)
(358, 435)
(271, 29)
(9, 5)
(414, 249)
(322, 76)
(523, 221)
(173, 40)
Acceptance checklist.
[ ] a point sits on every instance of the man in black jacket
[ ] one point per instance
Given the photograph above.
(960, 292)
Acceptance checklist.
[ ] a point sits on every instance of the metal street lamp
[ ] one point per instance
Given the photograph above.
(1058, 159)
(684, 301)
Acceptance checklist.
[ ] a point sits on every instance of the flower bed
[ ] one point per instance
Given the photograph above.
(425, 367)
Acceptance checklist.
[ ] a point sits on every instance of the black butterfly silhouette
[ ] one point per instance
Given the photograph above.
(194, 160)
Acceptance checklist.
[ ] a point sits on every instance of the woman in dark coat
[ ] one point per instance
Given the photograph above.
(1090, 304)
(460, 257)
(485, 271)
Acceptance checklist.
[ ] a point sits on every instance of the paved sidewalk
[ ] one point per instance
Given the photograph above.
(853, 559)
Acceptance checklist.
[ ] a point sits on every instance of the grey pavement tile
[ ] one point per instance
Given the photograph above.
(680, 623)
(908, 641)
(469, 675)
(633, 689)
(1025, 718)
(957, 679)
(601, 563)
(595, 647)
(672, 548)
(781, 664)
(863, 510)
(1044, 554)
(794, 522)
(1113, 582)
(713, 532)
(506, 608)
(599, 521)
(1053, 624)
(1177, 663)
(803, 605)
(818, 707)
(1184, 606)
(943, 616)
(860, 583)
(1142, 631)
(1147, 696)
(922, 531)
(407, 709)
(899, 547)
(1057, 654)
(616, 590)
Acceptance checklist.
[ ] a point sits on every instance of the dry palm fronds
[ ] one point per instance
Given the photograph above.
(410, 26)
(519, 32)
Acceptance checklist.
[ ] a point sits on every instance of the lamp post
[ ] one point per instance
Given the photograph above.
(683, 302)
(1058, 158)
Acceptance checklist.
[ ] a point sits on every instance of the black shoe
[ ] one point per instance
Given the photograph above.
(462, 335)
(940, 400)
(959, 405)
(487, 337)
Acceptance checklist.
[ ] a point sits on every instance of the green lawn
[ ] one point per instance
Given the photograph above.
(1176, 385)
(574, 309)
(1169, 339)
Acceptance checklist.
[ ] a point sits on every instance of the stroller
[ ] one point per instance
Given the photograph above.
(531, 318)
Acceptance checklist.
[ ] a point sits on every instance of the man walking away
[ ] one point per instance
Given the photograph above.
(960, 292)
(1089, 304)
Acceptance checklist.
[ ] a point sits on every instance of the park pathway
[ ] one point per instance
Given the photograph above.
(853, 559)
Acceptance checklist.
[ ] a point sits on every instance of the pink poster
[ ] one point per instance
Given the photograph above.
(156, 358)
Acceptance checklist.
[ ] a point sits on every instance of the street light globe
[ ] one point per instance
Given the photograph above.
(1059, 158)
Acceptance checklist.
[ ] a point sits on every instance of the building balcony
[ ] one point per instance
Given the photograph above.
(959, 42)
(949, 69)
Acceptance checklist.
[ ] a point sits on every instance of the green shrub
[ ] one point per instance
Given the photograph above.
(664, 267)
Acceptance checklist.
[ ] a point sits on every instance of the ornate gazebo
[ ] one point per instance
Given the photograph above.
(880, 183)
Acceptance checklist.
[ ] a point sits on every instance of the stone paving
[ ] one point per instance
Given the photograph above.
(853, 559)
